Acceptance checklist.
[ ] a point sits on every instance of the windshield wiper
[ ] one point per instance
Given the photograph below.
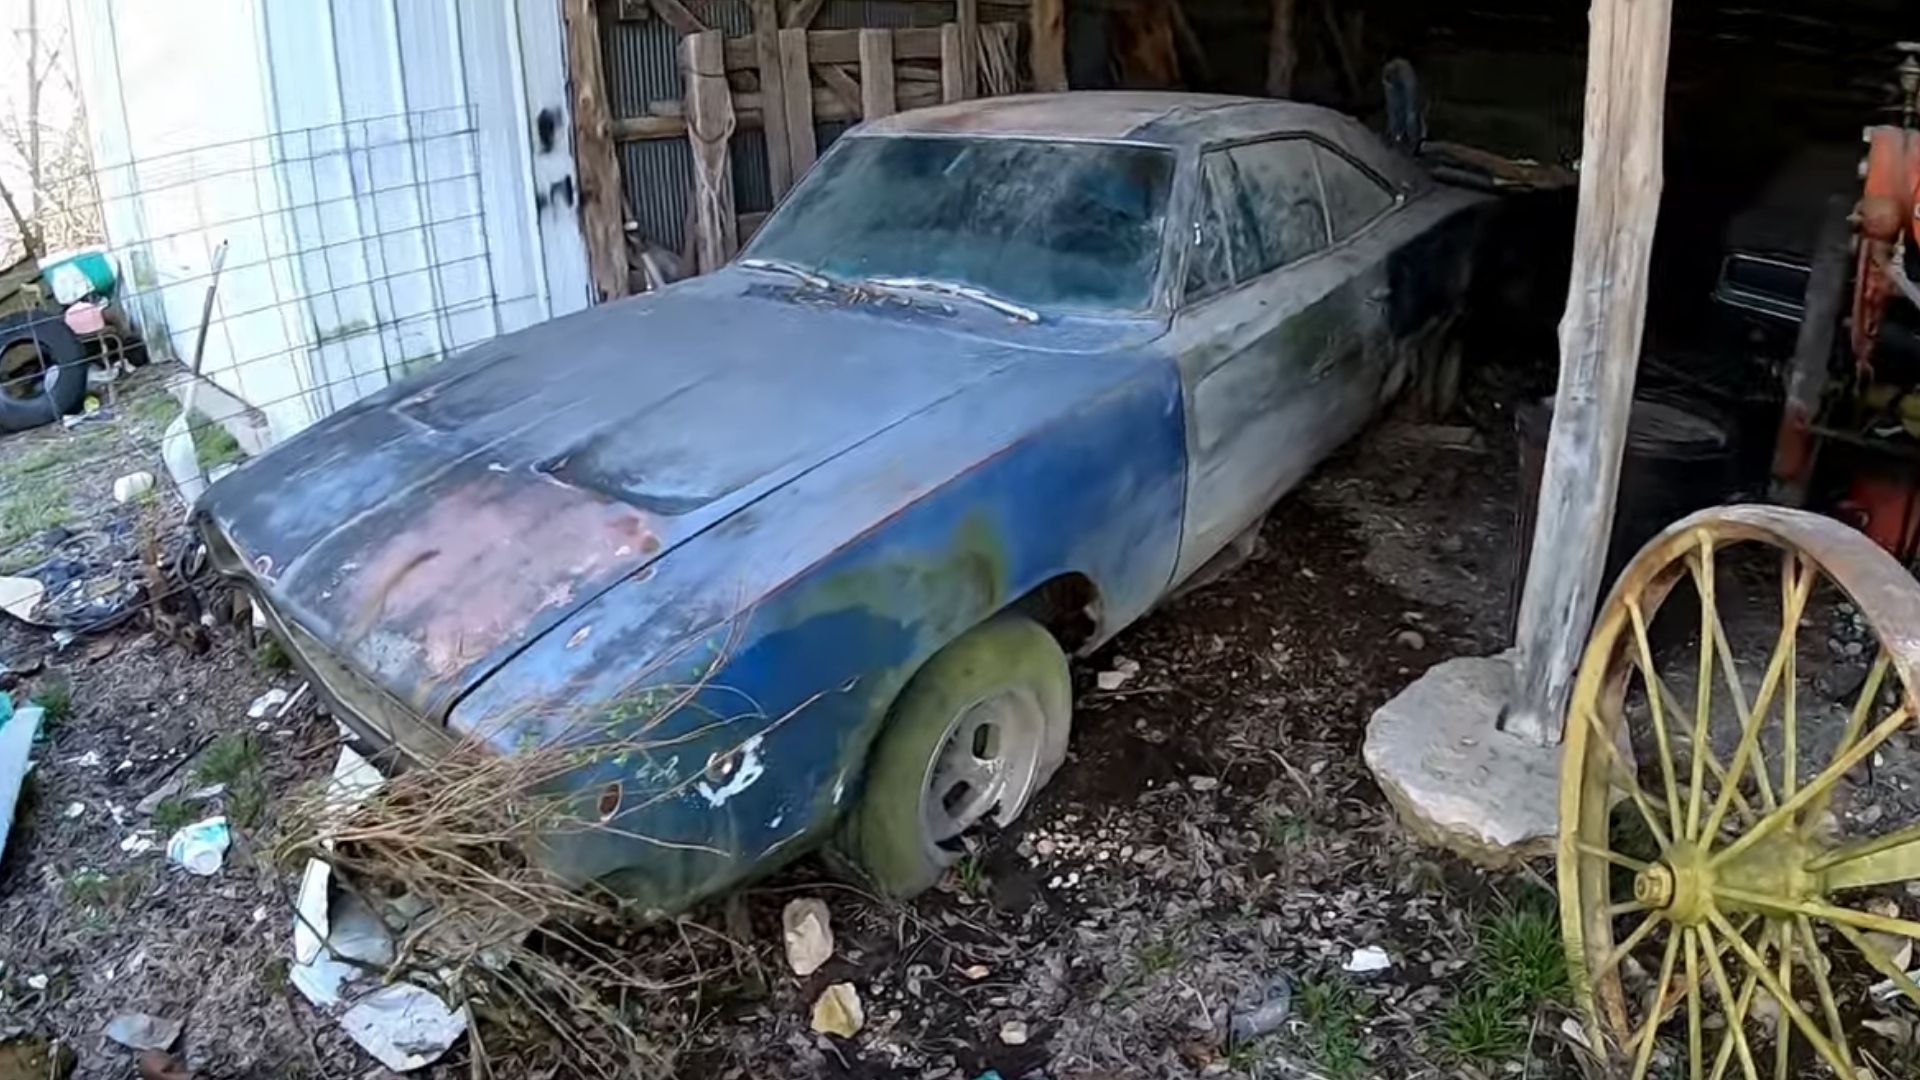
(948, 288)
(818, 281)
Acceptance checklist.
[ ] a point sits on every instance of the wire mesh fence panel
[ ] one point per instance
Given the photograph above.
(295, 272)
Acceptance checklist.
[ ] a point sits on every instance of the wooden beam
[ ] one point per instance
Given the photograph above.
(766, 49)
(1795, 447)
(676, 15)
(952, 68)
(1620, 179)
(800, 13)
(1048, 57)
(837, 80)
(967, 14)
(709, 131)
(801, 144)
(1283, 52)
(842, 47)
(667, 119)
(602, 222)
(876, 74)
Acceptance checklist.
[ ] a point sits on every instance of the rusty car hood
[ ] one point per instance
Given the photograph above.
(427, 534)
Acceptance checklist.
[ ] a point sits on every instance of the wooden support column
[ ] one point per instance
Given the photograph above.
(802, 146)
(766, 51)
(710, 131)
(602, 222)
(1047, 20)
(1620, 178)
(952, 68)
(967, 14)
(1283, 56)
(876, 74)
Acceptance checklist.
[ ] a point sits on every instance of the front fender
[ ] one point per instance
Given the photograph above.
(797, 631)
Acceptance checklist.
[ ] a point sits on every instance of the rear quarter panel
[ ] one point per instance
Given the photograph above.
(800, 618)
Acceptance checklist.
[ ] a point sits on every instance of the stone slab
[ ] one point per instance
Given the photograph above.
(1456, 780)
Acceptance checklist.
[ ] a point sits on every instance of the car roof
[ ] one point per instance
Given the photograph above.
(1159, 118)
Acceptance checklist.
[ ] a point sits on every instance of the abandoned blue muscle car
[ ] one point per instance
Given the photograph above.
(996, 378)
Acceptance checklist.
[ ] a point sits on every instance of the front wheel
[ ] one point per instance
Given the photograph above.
(979, 729)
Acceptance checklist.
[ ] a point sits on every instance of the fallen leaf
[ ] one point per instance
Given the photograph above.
(838, 1011)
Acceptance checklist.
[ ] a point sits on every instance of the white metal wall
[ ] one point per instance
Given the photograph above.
(384, 175)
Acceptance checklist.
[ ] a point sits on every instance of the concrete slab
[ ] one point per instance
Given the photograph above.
(1456, 780)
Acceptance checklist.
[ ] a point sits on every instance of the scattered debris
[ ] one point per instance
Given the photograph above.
(19, 596)
(141, 1031)
(1203, 783)
(809, 935)
(404, 1026)
(1411, 639)
(37, 981)
(1122, 672)
(131, 486)
(838, 1011)
(271, 699)
(1014, 1033)
(1267, 1014)
(74, 810)
(976, 972)
(157, 1065)
(200, 847)
(17, 731)
(138, 842)
(1368, 958)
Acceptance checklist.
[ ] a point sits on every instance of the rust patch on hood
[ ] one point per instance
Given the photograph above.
(477, 568)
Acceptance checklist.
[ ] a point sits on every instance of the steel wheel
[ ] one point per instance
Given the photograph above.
(988, 766)
(1718, 914)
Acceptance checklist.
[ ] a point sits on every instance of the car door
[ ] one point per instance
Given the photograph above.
(1265, 321)
(1361, 216)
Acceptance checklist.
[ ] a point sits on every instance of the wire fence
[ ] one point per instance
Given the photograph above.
(248, 288)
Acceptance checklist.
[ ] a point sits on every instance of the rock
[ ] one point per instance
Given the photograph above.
(1411, 639)
(1367, 958)
(838, 1011)
(1123, 671)
(809, 935)
(1014, 1033)
(140, 1031)
(1455, 780)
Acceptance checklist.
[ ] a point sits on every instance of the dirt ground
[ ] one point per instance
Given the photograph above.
(1212, 833)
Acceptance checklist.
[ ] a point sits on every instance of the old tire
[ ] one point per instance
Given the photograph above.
(43, 371)
(979, 729)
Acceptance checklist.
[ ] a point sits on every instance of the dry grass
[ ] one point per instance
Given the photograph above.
(538, 961)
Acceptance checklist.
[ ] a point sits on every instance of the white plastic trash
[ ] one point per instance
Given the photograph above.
(200, 847)
(131, 486)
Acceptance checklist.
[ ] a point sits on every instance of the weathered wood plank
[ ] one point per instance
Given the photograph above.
(1620, 179)
(1283, 52)
(676, 15)
(952, 69)
(843, 47)
(602, 221)
(967, 14)
(1048, 51)
(710, 126)
(802, 146)
(837, 80)
(876, 74)
(800, 13)
(766, 49)
(667, 120)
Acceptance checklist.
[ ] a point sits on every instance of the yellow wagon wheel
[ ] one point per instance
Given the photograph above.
(1729, 896)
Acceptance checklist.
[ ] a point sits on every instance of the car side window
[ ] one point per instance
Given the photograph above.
(1279, 197)
(1354, 196)
(1210, 262)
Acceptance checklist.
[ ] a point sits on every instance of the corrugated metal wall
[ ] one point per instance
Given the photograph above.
(642, 65)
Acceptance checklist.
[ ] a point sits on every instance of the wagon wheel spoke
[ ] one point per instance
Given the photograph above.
(1735, 837)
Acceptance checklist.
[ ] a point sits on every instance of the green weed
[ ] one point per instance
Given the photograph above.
(270, 657)
(1482, 1026)
(233, 759)
(172, 814)
(1158, 957)
(55, 698)
(1334, 1018)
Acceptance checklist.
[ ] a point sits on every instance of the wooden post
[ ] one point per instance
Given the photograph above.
(602, 223)
(709, 131)
(1620, 177)
(1283, 58)
(1047, 20)
(802, 146)
(766, 51)
(876, 74)
(967, 14)
(1794, 447)
(953, 86)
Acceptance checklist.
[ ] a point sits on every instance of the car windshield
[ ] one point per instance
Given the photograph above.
(1062, 225)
